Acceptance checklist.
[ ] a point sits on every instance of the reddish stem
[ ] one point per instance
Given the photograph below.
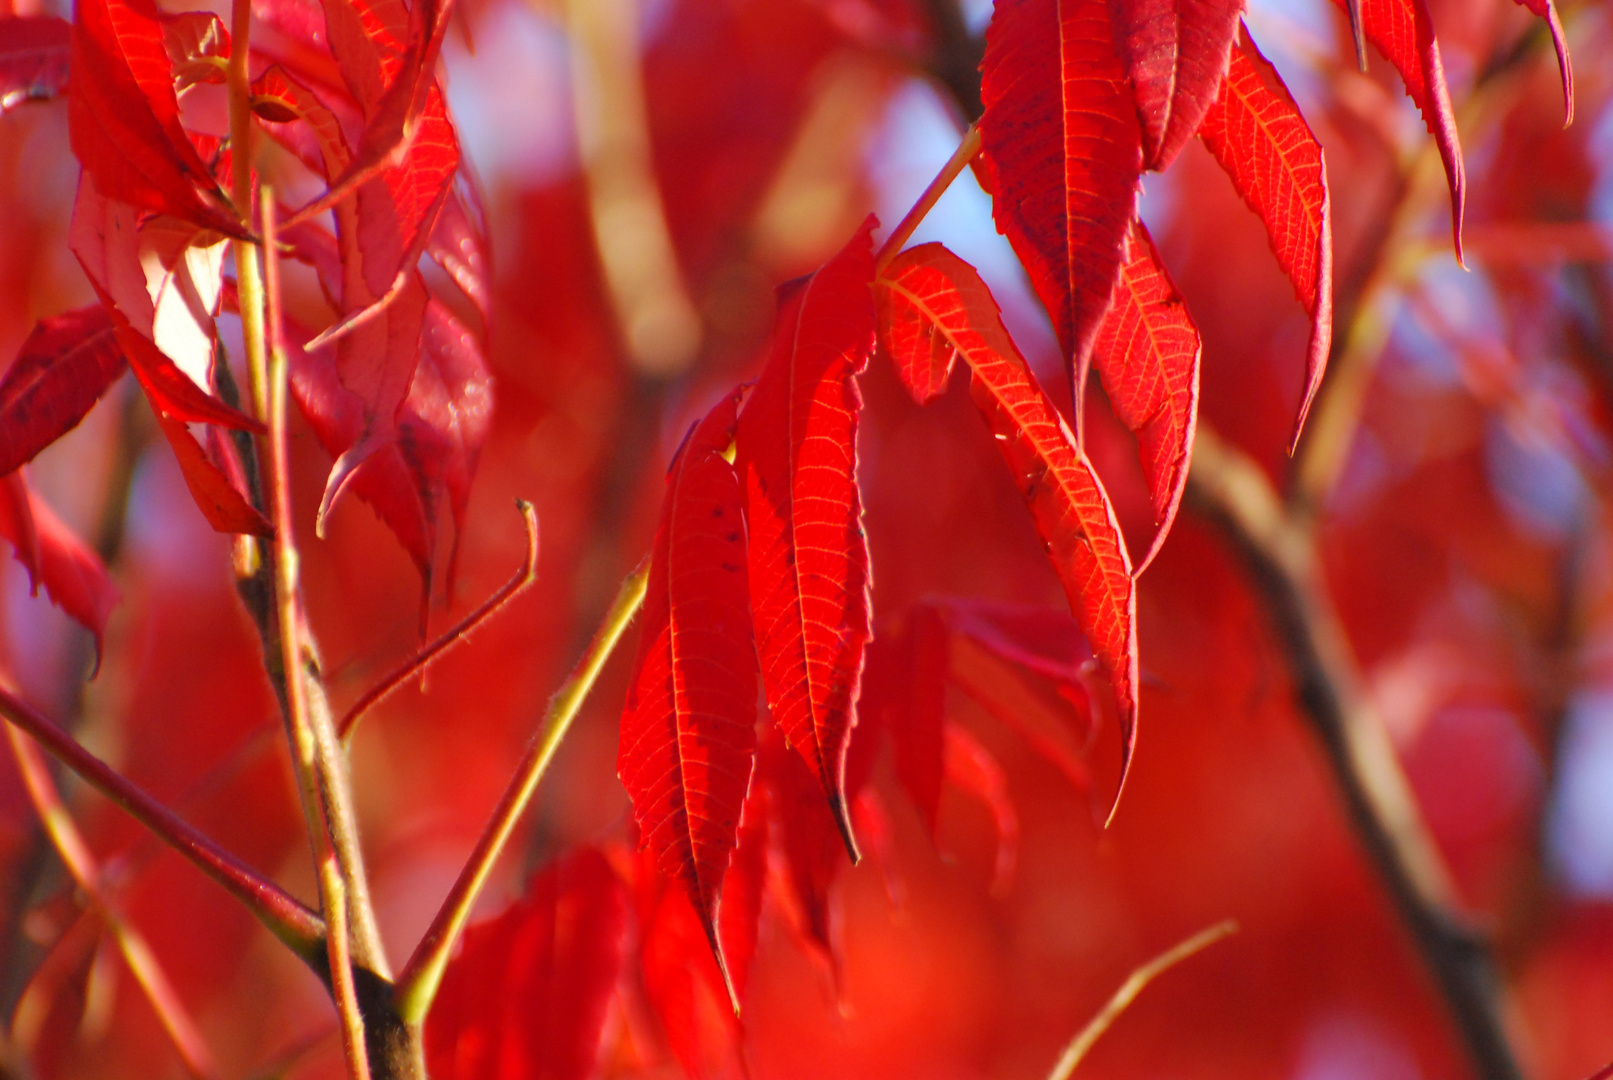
(526, 575)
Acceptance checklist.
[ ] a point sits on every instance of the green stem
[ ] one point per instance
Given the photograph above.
(417, 983)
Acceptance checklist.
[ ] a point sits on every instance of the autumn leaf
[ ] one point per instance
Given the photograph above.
(1147, 355)
(1061, 156)
(34, 59)
(928, 293)
(528, 995)
(123, 117)
(61, 371)
(217, 494)
(1559, 40)
(688, 732)
(1404, 32)
(973, 770)
(1258, 135)
(809, 576)
(1175, 52)
(70, 571)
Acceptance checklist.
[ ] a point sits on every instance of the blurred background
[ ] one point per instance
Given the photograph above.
(651, 169)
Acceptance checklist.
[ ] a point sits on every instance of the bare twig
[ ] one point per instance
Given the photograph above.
(1134, 984)
(459, 633)
(417, 983)
(1280, 554)
(292, 922)
(137, 954)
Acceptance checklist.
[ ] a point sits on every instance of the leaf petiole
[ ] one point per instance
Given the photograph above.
(417, 983)
(966, 152)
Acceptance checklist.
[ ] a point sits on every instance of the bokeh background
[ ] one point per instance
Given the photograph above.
(1464, 538)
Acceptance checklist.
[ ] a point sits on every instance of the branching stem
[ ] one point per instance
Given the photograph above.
(418, 982)
(290, 921)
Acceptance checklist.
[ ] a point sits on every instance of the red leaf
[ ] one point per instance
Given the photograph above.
(284, 102)
(1061, 155)
(62, 369)
(197, 45)
(527, 997)
(34, 58)
(973, 770)
(71, 572)
(440, 431)
(1176, 54)
(810, 846)
(689, 727)
(1147, 355)
(123, 117)
(117, 250)
(459, 245)
(809, 575)
(219, 499)
(1559, 40)
(1256, 132)
(1403, 31)
(929, 285)
(683, 985)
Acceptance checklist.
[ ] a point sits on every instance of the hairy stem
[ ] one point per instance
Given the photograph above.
(285, 916)
(418, 982)
(1279, 552)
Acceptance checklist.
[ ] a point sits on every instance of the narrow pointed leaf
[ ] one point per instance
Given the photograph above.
(809, 576)
(221, 502)
(1067, 502)
(61, 371)
(1404, 32)
(70, 571)
(1257, 134)
(1061, 156)
(528, 995)
(123, 116)
(34, 58)
(689, 728)
(1175, 52)
(1559, 40)
(1147, 355)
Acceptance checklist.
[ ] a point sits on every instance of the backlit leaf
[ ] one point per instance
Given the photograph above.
(1061, 155)
(809, 574)
(62, 369)
(528, 994)
(688, 734)
(123, 117)
(1404, 32)
(71, 572)
(1147, 355)
(217, 494)
(1071, 510)
(1176, 54)
(1256, 132)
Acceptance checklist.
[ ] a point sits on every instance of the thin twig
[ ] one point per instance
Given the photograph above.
(967, 149)
(289, 920)
(1279, 550)
(459, 633)
(417, 983)
(81, 865)
(341, 974)
(1134, 984)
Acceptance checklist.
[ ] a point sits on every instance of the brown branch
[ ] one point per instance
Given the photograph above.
(1279, 552)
